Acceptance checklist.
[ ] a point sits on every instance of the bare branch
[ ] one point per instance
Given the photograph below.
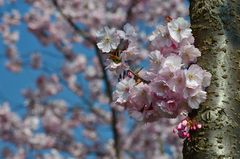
(72, 24)
(105, 76)
(130, 12)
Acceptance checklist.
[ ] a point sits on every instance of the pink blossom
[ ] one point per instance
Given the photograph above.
(196, 98)
(178, 82)
(161, 36)
(140, 97)
(76, 65)
(51, 122)
(14, 65)
(32, 122)
(169, 106)
(189, 54)
(109, 39)
(206, 78)
(130, 32)
(156, 60)
(168, 86)
(183, 128)
(194, 76)
(159, 86)
(179, 29)
(131, 53)
(123, 90)
(173, 62)
(13, 18)
(40, 141)
(10, 37)
(48, 86)
(117, 68)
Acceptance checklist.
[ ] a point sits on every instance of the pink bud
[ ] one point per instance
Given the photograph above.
(130, 75)
(175, 131)
(184, 122)
(179, 127)
(181, 135)
(199, 126)
(185, 134)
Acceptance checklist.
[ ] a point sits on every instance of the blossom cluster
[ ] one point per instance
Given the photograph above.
(172, 84)
(10, 39)
(182, 129)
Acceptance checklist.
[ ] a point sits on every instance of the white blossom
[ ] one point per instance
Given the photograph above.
(179, 29)
(109, 39)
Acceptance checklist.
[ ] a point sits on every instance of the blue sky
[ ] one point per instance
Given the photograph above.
(12, 84)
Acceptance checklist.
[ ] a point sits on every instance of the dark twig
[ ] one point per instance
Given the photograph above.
(105, 76)
(130, 12)
(72, 24)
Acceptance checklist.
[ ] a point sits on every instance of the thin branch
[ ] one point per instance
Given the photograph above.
(72, 24)
(86, 101)
(129, 15)
(105, 76)
(113, 111)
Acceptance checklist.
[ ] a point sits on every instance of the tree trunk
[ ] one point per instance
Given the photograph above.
(216, 28)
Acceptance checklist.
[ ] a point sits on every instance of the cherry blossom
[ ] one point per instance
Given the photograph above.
(123, 90)
(172, 85)
(194, 76)
(179, 29)
(161, 36)
(156, 60)
(109, 39)
(183, 128)
(196, 98)
(172, 62)
(189, 54)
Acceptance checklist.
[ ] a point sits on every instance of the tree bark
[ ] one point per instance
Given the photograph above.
(216, 28)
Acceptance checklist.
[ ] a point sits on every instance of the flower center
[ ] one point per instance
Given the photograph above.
(107, 39)
(190, 76)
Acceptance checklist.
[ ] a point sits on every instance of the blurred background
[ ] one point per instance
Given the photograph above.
(53, 95)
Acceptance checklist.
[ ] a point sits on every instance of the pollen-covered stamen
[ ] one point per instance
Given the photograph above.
(107, 39)
(115, 54)
(190, 76)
